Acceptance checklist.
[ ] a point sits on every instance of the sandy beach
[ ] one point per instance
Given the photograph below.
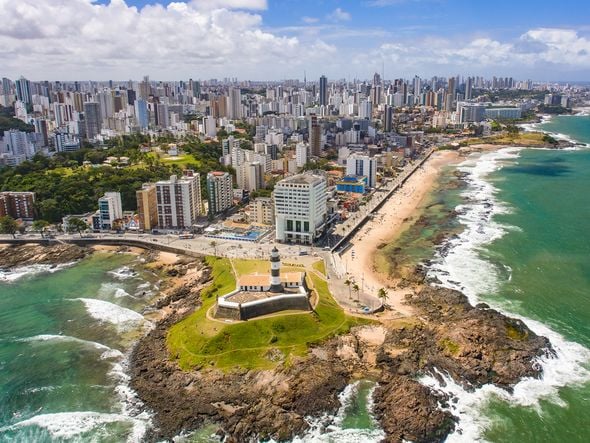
(388, 224)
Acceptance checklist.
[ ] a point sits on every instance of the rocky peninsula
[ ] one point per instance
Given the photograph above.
(473, 345)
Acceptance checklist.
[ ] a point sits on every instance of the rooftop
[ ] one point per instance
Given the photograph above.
(264, 279)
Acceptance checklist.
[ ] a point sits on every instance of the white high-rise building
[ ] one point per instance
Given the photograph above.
(110, 209)
(250, 176)
(301, 154)
(179, 201)
(219, 191)
(300, 208)
(362, 165)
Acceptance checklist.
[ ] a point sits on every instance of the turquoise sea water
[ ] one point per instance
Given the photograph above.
(526, 251)
(63, 339)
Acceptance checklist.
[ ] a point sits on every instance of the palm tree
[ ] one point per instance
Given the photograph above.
(213, 244)
(382, 294)
(356, 289)
(348, 283)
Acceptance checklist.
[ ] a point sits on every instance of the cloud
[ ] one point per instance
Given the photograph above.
(230, 4)
(310, 20)
(77, 39)
(557, 49)
(338, 15)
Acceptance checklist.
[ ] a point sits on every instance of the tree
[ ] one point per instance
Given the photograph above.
(40, 226)
(77, 225)
(348, 283)
(382, 294)
(356, 289)
(8, 225)
(213, 244)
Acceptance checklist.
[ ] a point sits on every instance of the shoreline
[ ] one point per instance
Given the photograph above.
(388, 224)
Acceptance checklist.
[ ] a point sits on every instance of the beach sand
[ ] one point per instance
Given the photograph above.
(388, 224)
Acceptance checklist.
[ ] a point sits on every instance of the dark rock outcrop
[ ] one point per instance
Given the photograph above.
(33, 254)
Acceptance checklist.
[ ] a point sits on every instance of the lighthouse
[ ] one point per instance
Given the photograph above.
(275, 271)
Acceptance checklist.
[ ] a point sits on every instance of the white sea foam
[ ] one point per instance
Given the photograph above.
(68, 425)
(460, 266)
(124, 273)
(107, 352)
(328, 428)
(17, 273)
(111, 313)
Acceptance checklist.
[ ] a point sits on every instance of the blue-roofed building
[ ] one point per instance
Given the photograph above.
(352, 183)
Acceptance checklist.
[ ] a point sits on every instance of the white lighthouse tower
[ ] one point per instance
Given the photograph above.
(275, 271)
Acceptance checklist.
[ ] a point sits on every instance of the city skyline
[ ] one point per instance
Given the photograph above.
(275, 40)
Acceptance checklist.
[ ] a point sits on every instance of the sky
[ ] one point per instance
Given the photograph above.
(283, 39)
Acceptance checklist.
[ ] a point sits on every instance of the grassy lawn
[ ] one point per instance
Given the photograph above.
(197, 341)
(181, 160)
(320, 266)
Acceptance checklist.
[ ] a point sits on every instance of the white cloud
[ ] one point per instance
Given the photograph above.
(338, 15)
(77, 39)
(557, 50)
(309, 20)
(230, 4)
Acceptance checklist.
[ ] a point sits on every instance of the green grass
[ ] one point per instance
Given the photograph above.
(197, 342)
(320, 266)
(182, 160)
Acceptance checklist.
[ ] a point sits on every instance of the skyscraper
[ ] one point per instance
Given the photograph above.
(23, 90)
(388, 118)
(92, 119)
(323, 91)
(362, 165)
(147, 207)
(179, 201)
(219, 191)
(315, 135)
(235, 103)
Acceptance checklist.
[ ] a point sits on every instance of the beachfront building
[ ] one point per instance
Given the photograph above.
(220, 193)
(147, 207)
(18, 205)
(352, 184)
(362, 165)
(300, 208)
(179, 201)
(110, 209)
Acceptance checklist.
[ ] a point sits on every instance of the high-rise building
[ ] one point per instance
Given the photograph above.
(301, 154)
(362, 165)
(388, 118)
(219, 192)
(235, 103)
(323, 91)
(162, 115)
(23, 91)
(300, 203)
(315, 135)
(110, 209)
(179, 201)
(18, 205)
(93, 120)
(142, 117)
(468, 88)
(250, 175)
(147, 207)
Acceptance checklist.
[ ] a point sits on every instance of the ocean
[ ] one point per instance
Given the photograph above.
(64, 336)
(525, 250)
